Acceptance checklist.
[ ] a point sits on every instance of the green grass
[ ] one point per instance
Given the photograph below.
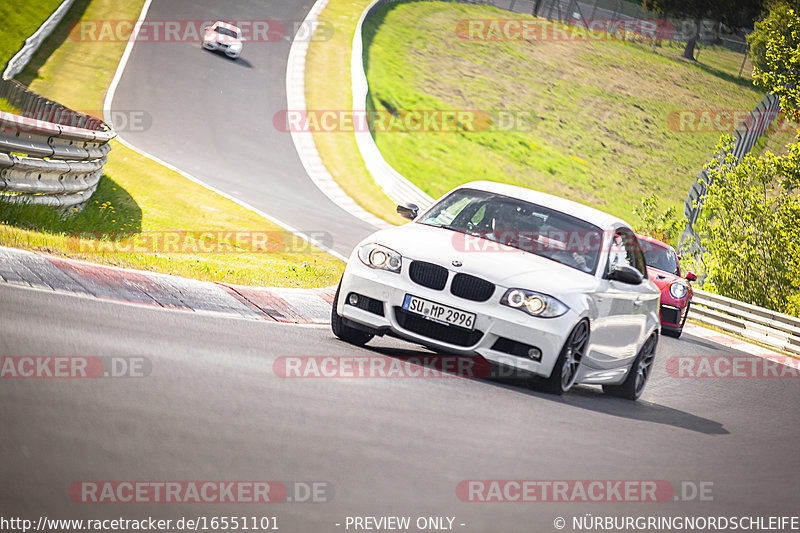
(328, 87)
(8, 108)
(600, 130)
(139, 197)
(21, 18)
(776, 139)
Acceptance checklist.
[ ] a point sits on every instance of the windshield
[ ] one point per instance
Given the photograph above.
(522, 225)
(227, 32)
(661, 258)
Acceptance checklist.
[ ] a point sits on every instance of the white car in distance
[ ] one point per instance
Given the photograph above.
(225, 38)
(524, 279)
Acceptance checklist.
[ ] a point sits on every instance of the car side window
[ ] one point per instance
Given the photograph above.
(479, 216)
(639, 262)
(625, 251)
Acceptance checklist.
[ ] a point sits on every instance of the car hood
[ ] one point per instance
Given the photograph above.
(211, 35)
(503, 265)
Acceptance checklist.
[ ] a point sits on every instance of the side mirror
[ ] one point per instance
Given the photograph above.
(690, 276)
(409, 211)
(626, 274)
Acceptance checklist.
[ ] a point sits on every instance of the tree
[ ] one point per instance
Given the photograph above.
(775, 49)
(733, 13)
(749, 227)
(664, 227)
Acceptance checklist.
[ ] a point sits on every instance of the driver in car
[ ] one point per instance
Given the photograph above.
(508, 227)
(505, 225)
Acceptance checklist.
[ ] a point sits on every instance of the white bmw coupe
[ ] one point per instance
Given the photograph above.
(225, 38)
(524, 279)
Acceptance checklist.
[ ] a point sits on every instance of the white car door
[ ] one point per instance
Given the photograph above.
(621, 307)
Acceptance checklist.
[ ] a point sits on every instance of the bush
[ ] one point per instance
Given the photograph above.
(750, 228)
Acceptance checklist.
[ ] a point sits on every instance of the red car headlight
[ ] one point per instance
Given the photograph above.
(678, 290)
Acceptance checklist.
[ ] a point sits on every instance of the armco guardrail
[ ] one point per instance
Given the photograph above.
(394, 184)
(745, 136)
(32, 43)
(770, 328)
(50, 154)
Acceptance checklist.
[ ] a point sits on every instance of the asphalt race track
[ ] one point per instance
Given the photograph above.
(212, 116)
(211, 406)
(212, 409)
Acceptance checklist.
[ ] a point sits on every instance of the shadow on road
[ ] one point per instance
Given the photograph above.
(587, 397)
(242, 62)
(593, 399)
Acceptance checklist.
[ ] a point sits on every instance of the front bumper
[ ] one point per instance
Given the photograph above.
(217, 47)
(673, 311)
(499, 330)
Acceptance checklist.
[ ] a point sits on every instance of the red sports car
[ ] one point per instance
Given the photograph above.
(664, 270)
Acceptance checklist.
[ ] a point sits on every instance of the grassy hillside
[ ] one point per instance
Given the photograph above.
(602, 113)
(20, 19)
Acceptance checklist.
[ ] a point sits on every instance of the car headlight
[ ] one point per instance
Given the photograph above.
(678, 290)
(376, 256)
(534, 303)
(236, 47)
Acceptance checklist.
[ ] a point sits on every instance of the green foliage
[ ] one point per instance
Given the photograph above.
(775, 47)
(664, 227)
(750, 228)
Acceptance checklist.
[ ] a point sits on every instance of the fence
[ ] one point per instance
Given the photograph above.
(682, 29)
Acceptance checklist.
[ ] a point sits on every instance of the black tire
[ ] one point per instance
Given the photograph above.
(342, 330)
(562, 378)
(638, 374)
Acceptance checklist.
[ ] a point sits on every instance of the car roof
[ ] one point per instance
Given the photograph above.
(599, 218)
(655, 241)
(227, 26)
